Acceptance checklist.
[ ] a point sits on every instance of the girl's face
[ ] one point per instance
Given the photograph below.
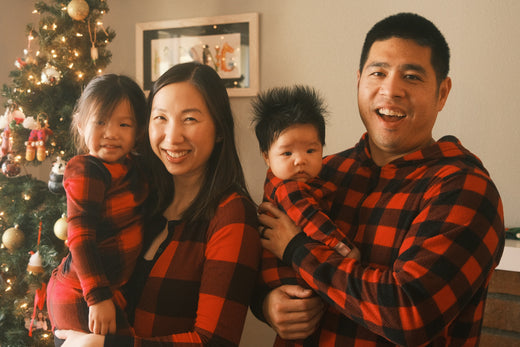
(113, 139)
(181, 130)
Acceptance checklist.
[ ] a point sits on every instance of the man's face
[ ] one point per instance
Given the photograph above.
(398, 98)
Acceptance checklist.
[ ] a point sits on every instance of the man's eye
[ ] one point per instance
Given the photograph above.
(412, 77)
(377, 74)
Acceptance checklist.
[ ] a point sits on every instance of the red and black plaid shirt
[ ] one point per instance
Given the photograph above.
(430, 230)
(105, 233)
(200, 284)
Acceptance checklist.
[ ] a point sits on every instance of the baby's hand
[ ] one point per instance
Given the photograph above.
(102, 318)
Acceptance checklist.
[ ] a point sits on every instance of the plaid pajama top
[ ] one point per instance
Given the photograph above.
(105, 232)
(430, 230)
(200, 284)
(307, 204)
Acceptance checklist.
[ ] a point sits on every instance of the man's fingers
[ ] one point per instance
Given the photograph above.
(296, 291)
(270, 208)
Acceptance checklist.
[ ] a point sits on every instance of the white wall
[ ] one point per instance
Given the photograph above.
(318, 43)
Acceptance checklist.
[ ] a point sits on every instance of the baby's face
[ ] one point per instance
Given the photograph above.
(296, 154)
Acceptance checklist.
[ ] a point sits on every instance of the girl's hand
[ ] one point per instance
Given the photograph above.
(102, 317)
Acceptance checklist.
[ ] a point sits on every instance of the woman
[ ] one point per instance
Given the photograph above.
(200, 267)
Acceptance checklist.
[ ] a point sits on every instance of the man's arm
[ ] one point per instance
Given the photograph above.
(443, 264)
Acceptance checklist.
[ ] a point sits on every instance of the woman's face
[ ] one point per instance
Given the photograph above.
(181, 130)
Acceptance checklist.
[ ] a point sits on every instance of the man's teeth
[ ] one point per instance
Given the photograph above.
(177, 154)
(388, 112)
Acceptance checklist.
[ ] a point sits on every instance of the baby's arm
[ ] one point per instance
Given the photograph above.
(300, 202)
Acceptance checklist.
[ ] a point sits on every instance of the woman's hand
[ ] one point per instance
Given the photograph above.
(277, 228)
(293, 311)
(79, 339)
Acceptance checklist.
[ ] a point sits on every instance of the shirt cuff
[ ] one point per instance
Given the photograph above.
(297, 241)
(97, 295)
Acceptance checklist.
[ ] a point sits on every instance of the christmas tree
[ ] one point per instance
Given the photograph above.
(65, 49)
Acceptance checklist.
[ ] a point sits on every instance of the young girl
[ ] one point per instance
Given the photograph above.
(105, 195)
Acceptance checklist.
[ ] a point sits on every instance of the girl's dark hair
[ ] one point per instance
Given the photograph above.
(99, 99)
(279, 108)
(223, 171)
(414, 27)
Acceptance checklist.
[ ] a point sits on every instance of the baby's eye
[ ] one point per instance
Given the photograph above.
(287, 154)
(99, 122)
(311, 150)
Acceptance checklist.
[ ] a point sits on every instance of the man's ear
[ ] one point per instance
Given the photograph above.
(444, 91)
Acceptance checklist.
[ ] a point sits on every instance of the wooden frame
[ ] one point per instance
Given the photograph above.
(229, 44)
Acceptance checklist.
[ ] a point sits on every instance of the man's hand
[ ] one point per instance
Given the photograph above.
(102, 317)
(277, 228)
(293, 311)
(79, 339)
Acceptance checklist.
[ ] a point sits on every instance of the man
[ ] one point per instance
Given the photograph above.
(425, 215)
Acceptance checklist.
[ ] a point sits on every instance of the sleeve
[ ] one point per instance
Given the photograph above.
(443, 265)
(85, 182)
(301, 202)
(228, 279)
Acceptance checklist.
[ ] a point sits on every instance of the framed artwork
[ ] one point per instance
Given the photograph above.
(229, 44)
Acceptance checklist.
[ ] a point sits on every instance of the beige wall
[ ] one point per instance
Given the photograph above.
(318, 43)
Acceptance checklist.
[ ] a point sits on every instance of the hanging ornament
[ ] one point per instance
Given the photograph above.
(94, 53)
(60, 228)
(35, 263)
(7, 142)
(78, 9)
(56, 176)
(18, 116)
(40, 295)
(27, 58)
(13, 238)
(10, 167)
(50, 75)
(35, 146)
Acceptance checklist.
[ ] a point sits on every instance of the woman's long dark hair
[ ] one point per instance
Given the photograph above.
(223, 173)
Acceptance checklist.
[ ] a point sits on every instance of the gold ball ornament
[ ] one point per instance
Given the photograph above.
(60, 228)
(78, 9)
(13, 238)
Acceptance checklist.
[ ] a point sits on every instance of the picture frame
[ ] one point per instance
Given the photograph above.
(228, 43)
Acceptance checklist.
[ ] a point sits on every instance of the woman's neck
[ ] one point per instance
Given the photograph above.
(186, 189)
